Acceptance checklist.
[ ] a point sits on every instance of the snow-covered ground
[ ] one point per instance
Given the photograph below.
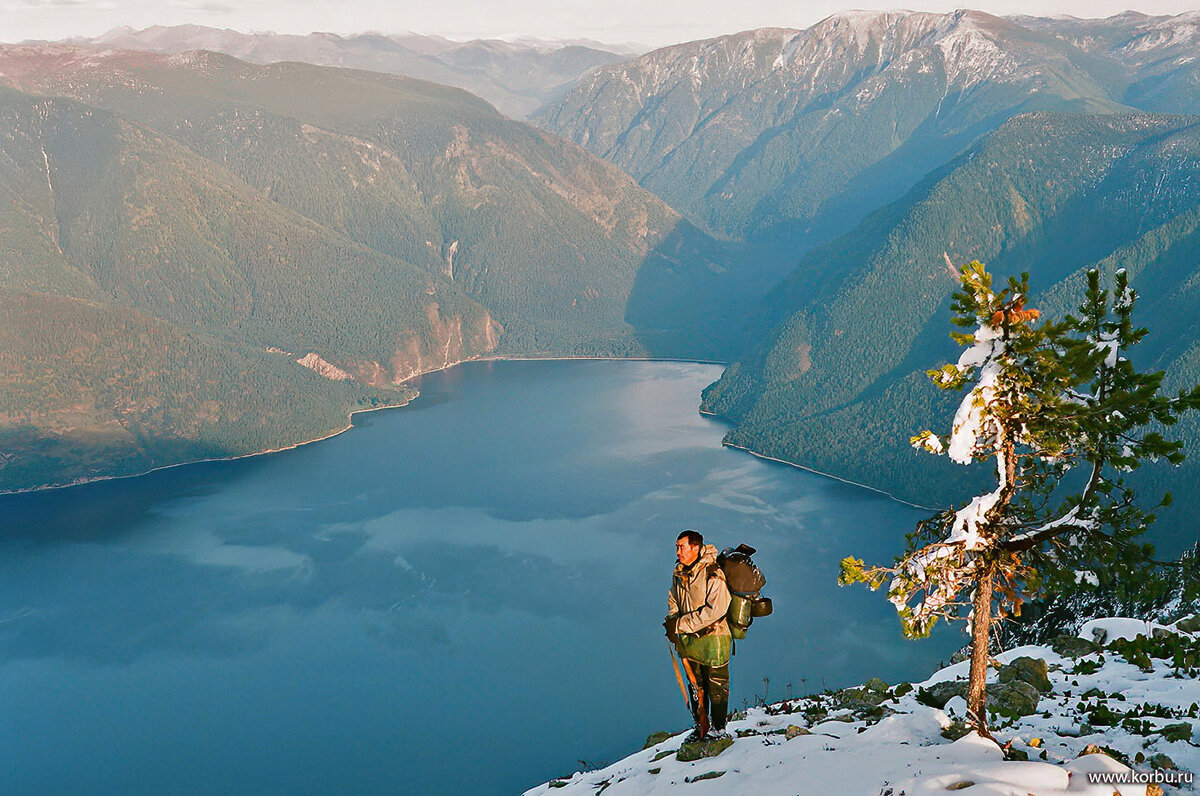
(840, 744)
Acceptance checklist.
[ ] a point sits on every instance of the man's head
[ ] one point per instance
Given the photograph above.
(687, 546)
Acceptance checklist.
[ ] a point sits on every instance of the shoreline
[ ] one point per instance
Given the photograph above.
(525, 358)
(349, 419)
(763, 456)
(84, 481)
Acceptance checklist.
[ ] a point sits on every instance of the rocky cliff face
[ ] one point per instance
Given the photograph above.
(808, 130)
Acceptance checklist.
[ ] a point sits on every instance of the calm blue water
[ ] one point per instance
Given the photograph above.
(460, 596)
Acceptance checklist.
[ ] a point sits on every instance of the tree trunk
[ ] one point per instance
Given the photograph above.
(981, 623)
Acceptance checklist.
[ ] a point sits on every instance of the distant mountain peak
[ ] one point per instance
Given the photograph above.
(517, 77)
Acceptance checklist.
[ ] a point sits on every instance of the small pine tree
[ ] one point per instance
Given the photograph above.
(1049, 399)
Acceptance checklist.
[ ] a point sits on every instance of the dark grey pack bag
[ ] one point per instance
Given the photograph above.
(745, 581)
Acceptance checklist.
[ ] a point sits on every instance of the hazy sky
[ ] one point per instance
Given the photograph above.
(653, 22)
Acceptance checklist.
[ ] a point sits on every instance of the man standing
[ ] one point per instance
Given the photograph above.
(696, 608)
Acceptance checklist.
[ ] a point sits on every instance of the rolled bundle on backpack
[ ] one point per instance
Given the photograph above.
(744, 579)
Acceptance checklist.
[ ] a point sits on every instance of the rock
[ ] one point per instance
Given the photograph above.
(859, 706)
(655, 738)
(1028, 670)
(1107, 751)
(1177, 732)
(702, 749)
(861, 698)
(876, 685)
(663, 754)
(1014, 698)
(956, 730)
(559, 783)
(709, 775)
(963, 785)
(655, 770)
(1016, 754)
(902, 688)
(1162, 632)
(963, 654)
(1189, 625)
(1099, 635)
(793, 731)
(1073, 646)
(938, 694)
(1162, 761)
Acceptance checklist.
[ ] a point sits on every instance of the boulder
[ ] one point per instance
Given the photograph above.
(1014, 698)
(655, 738)
(1162, 761)
(702, 749)
(938, 694)
(1177, 732)
(877, 685)
(860, 698)
(793, 731)
(956, 730)
(1028, 670)
(1073, 646)
(1189, 625)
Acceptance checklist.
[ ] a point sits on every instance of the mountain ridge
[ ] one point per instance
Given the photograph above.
(517, 77)
(385, 225)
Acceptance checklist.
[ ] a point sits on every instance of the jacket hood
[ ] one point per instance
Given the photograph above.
(708, 555)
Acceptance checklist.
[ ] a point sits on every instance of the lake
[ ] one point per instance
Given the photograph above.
(460, 596)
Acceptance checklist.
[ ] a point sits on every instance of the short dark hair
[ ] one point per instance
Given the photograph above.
(694, 537)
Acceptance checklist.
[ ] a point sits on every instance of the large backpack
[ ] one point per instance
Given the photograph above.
(745, 580)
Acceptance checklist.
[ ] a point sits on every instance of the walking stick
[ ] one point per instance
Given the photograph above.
(678, 677)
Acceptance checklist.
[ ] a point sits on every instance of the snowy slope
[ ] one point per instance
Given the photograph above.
(847, 751)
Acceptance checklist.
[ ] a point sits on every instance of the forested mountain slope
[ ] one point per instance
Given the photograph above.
(876, 152)
(385, 225)
(838, 382)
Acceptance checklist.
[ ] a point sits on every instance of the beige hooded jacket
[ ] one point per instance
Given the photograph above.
(699, 596)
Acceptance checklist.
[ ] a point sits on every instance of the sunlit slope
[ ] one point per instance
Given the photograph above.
(542, 234)
(384, 225)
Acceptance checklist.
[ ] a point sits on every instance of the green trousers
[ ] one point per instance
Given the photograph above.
(713, 682)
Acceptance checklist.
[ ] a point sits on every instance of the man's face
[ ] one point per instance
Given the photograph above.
(686, 552)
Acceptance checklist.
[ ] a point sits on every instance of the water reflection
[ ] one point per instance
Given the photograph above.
(462, 596)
